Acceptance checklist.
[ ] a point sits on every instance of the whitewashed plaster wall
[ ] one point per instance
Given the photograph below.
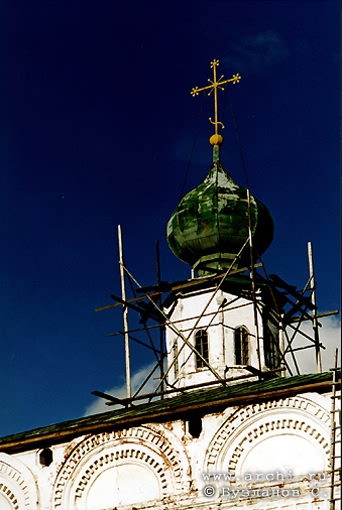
(162, 466)
(222, 314)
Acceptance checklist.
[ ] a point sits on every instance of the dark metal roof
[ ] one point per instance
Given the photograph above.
(182, 406)
(238, 284)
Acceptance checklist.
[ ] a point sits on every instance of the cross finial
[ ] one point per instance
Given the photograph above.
(215, 139)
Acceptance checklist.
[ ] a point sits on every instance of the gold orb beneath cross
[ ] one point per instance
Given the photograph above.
(216, 139)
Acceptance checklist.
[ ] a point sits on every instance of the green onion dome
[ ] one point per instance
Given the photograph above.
(209, 228)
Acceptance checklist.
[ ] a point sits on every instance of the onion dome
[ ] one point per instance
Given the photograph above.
(210, 227)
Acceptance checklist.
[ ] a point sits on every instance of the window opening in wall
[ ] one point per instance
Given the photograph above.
(201, 345)
(271, 349)
(241, 342)
(195, 426)
(175, 359)
(45, 457)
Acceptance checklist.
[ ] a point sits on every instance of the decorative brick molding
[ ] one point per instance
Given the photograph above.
(152, 449)
(248, 426)
(17, 485)
(9, 496)
(129, 455)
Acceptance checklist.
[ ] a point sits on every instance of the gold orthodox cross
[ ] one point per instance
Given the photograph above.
(214, 85)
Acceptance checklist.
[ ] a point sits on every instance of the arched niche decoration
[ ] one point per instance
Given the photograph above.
(17, 485)
(288, 435)
(127, 467)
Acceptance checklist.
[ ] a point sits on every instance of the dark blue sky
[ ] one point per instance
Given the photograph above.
(98, 128)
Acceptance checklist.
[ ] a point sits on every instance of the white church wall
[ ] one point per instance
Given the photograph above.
(266, 455)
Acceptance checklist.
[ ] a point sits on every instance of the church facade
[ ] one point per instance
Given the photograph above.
(262, 445)
(232, 430)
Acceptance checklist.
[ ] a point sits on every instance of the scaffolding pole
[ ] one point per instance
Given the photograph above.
(252, 276)
(314, 311)
(161, 335)
(335, 438)
(124, 316)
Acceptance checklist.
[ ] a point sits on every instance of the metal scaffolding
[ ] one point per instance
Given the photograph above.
(291, 308)
(335, 441)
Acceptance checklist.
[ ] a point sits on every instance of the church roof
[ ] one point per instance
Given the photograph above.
(182, 406)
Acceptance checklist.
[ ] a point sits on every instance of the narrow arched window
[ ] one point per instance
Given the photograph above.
(241, 344)
(201, 345)
(175, 359)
